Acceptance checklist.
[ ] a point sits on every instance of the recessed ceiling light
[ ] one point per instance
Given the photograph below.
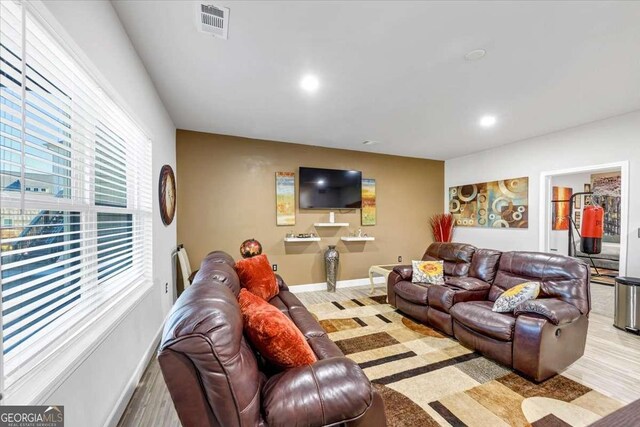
(369, 142)
(310, 83)
(476, 54)
(487, 121)
(321, 182)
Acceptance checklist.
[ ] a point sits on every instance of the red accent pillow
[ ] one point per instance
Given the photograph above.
(256, 275)
(273, 334)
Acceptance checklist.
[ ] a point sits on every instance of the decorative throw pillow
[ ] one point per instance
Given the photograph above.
(256, 275)
(273, 334)
(509, 299)
(428, 272)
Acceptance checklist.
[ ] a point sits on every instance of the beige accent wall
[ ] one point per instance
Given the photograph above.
(226, 194)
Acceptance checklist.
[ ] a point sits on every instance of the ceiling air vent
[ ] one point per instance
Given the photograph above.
(212, 19)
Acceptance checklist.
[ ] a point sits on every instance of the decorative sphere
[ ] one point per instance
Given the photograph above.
(250, 248)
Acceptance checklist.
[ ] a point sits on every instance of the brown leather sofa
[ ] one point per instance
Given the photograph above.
(216, 379)
(539, 339)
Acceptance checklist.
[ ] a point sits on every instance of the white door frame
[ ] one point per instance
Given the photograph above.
(545, 205)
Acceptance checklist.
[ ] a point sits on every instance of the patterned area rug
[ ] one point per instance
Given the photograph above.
(429, 379)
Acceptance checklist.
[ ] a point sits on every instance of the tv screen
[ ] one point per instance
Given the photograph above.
(330, 189)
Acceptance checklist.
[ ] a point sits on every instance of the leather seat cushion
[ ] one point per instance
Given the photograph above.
(411, 292)
(477, 316)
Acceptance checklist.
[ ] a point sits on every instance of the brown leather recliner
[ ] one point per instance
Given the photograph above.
(539, 339)
(215, 378)
(413, 299)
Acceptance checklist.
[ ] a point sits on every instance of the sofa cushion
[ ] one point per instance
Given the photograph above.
(257, 276)
(561, 277)
(477, 316)
(215, 272)
(484, 264)
(273, 334)
(456, 256)
(411, 292)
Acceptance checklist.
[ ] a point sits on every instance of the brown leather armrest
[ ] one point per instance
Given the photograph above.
(556, 311)
(404, 271)
(281, 285)
(335, 390)
(468, 283)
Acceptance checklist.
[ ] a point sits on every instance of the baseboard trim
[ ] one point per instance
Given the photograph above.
(114, 417)
(312, 287)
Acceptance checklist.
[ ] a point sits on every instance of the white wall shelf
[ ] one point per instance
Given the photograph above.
(331, 224)
(357, 239)
(301, 239)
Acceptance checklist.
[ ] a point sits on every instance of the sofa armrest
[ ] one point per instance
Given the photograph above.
(335, 390)
(467, 283)
(404, 271)
(281, 285)
(556, 311)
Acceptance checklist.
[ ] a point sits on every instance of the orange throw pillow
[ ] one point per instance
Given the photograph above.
(273, 334)
(256, 275)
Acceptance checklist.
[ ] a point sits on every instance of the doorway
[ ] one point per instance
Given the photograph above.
(560, 222)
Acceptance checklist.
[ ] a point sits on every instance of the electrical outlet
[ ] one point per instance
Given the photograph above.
(275, 267)
(166, 288)
(399, 258)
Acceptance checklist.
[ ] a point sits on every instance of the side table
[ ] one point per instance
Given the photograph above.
(383, 270)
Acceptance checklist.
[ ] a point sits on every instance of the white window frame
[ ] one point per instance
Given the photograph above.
(40, 382)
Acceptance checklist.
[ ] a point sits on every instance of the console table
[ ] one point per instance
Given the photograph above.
(383, 270)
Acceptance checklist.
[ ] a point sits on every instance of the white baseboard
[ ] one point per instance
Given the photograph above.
(311, 287)
(127, 393)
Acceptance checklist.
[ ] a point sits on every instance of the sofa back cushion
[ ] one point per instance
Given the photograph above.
(484, 264)
(218, 268)
(210, 370)
(560, 276)
(456, 256)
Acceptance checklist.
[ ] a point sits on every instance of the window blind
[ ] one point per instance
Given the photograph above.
(75, 187)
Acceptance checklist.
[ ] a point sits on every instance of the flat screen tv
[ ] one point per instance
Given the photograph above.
(330, 189)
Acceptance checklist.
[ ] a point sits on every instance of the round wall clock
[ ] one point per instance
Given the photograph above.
(167, 194)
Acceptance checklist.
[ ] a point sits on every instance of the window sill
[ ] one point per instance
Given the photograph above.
(35, 387)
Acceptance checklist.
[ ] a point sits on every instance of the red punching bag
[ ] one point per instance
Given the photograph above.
(592, 230)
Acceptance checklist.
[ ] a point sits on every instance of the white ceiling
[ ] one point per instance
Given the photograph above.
(392, 72)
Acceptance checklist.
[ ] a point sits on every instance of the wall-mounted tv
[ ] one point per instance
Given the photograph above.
(330, 189)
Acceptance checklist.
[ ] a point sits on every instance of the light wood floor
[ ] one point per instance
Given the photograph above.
(611, 364)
